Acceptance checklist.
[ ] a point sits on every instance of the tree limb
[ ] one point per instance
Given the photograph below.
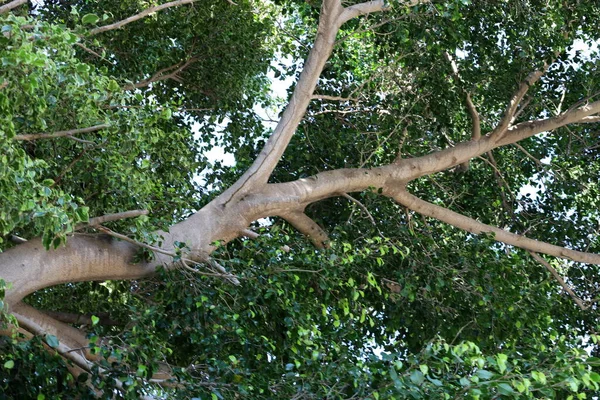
(69, 133)
(7, 7)
(144, 13)
(308, 227)
(332, 16)
(470, 225)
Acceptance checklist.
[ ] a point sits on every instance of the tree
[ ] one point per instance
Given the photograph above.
(174, 289)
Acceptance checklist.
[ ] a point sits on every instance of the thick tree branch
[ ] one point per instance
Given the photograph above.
(69, 133)
(559, 279)
(13, 4)
(332, 16)
(308, 227)
(527, 129)
(145, 13)
(470, 225)
(70, 338)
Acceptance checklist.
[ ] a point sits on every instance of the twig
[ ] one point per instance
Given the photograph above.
(69, 133)
(231, 278)
(68, 168)
(361, 205)
(560, 280)
(475, 120)
(296, 270)
(535, 160)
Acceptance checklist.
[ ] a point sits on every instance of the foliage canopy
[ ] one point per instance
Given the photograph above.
(377, 273)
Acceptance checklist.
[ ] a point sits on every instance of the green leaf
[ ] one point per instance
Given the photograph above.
(52, 341)
(9, 364)
(417, 377)
(484, 374)
(95, 320)
(505, 389)
(90, 19)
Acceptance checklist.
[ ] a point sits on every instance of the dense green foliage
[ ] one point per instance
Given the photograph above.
(400, 306)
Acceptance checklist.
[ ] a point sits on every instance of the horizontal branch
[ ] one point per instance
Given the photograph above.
(13, 4)
(470, 225)
(111, 217)
(36, 136)
(145, 13)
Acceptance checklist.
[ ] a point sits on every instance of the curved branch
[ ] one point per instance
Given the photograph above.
(470, 225)
(70, 338)
(308, 227)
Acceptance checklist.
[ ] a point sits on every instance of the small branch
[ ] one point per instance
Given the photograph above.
(471, 225)
(250, 234)
(162, 75)
(560, 280)
(535, 160)
(69, 133)
(116, 216)
(133, 18)
(68, 168)
(361, 205)
(224, 274)
(308, 227)
(500, 180)
(333, 98)
(511, 110)
(92, 52)
(81, 319)
(7, 7)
